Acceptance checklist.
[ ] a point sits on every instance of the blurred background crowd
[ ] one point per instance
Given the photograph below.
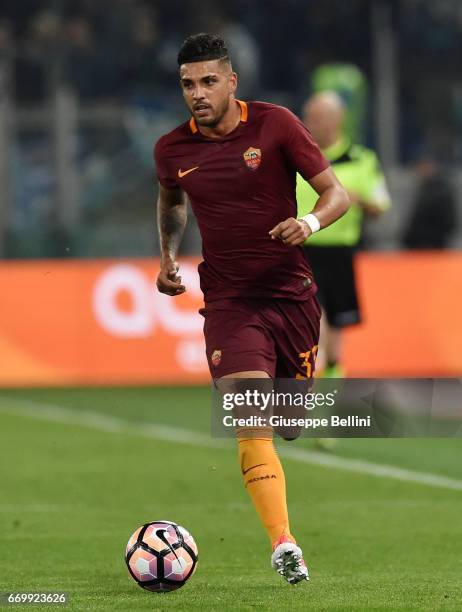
(87, 86)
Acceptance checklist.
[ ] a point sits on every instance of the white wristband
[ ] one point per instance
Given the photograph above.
(313, 222)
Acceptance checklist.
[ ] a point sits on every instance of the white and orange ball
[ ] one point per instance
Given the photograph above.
(161, 556)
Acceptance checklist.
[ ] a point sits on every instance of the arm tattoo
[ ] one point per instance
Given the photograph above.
(171, 220)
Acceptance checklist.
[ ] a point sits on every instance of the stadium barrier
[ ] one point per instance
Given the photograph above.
(98, 322)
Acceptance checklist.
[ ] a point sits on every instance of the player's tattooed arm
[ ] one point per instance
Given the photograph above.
(171, 221)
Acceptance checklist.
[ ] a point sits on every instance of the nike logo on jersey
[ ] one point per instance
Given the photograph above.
(244, 472)
(182, 173)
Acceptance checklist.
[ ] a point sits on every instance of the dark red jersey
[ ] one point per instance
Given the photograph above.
(241, 186)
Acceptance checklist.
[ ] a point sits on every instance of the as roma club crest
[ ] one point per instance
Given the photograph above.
(252, 158)
(216, 357)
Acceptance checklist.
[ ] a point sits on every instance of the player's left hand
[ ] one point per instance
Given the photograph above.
(291, 232)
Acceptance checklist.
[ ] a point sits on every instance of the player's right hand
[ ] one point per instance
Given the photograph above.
(168, 281)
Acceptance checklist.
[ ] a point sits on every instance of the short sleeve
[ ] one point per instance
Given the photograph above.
(375, 187)
(164, 176)
(299, 146)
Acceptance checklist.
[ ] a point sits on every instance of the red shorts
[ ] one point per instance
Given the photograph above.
(277, 336)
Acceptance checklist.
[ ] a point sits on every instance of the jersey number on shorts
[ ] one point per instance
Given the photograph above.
(309, 360)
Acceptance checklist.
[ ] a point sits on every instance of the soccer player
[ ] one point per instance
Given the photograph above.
(331, 252)
(237, 162)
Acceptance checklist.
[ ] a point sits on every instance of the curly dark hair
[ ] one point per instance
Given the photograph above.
(201, 48)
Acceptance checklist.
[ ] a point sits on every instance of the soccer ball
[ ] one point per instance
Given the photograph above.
(161, 556)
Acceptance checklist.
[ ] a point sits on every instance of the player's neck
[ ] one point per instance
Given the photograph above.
(228, 123)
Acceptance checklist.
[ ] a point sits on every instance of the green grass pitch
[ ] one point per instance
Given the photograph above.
(71, 494)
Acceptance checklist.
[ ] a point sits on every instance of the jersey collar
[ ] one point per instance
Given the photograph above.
(338, 149)
(244, 116)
